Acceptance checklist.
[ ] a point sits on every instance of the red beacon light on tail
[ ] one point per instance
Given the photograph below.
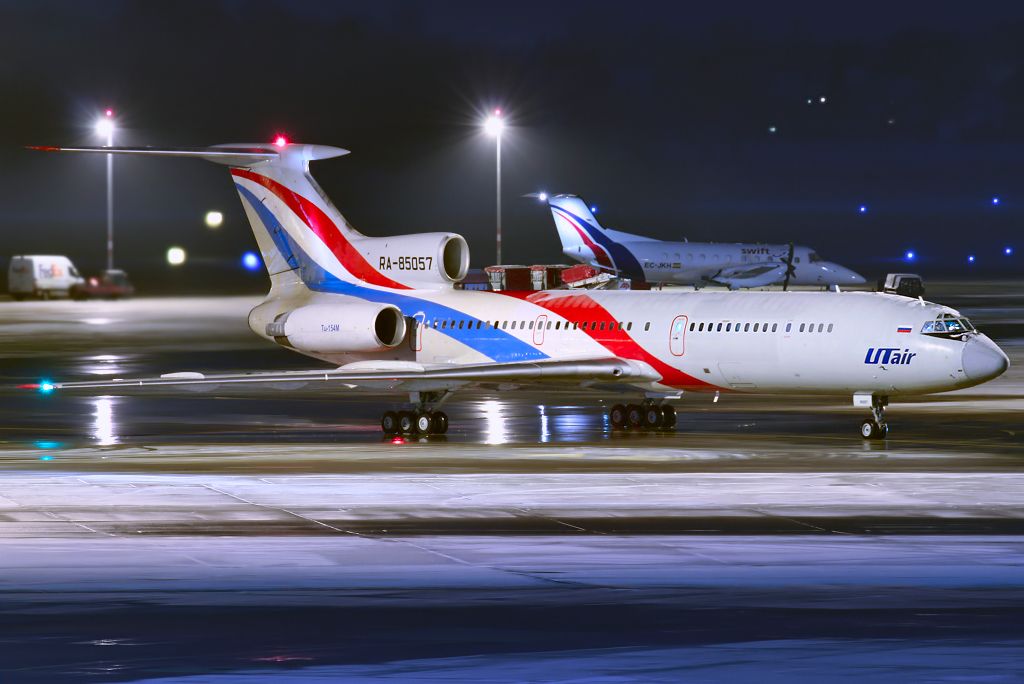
(280, 141)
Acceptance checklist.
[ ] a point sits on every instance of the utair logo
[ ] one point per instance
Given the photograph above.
(889, 355)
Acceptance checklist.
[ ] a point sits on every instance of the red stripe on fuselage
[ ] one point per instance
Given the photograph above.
(324, 228)
(599, 252)
(581, 309)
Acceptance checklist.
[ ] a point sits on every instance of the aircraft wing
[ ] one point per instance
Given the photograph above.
(751, 275)
(380, 376)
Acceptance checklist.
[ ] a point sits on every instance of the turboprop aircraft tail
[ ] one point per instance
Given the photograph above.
(576, 225)
(299, 230)
(584, 239)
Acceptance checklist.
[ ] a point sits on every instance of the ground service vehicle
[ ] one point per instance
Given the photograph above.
(42, 276)
(111, 284)
(906, 284)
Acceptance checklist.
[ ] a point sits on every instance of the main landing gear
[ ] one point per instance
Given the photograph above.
(646, 416)
(875, 427)
(414, 423)
(419, 422)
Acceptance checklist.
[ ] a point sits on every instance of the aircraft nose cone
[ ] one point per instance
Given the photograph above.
(854, 278)
(844, 276)
(982, 360)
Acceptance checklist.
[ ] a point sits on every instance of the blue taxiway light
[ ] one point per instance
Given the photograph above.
(593, 209)
(1008, 251)
(45, 387)
(970, 259)
(863, 208)
(995, 200)
(910, 255)
(251, 261)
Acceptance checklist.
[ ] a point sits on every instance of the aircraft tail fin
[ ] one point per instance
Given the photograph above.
(580, 233)
(296, 226)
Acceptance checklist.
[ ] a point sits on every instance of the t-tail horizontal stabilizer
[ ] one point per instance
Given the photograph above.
(232, 154)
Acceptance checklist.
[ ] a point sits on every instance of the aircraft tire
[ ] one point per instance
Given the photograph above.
(406, 422)
(634, 416)
(617, 416)
(423, 424)
(668, 417)
(652, 417)
(389, 423)
(439, 421)
(869, 429)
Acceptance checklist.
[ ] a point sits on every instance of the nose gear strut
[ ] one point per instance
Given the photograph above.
(875, 426)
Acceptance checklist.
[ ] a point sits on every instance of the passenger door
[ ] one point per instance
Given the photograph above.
(416, 339)
(538, 330)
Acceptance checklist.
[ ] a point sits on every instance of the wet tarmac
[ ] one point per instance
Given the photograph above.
(279, 536)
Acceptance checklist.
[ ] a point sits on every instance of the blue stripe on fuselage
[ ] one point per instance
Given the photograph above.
(624, 259)
(494, 343)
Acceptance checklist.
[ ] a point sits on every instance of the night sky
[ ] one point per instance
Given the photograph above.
(660, 114)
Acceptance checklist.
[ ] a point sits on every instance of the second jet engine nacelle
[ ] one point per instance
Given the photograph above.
(425, 261)
(355, 327)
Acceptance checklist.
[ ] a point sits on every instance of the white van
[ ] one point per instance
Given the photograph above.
(41, 276)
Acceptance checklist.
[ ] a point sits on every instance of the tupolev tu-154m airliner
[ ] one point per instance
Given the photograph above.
(385, 313)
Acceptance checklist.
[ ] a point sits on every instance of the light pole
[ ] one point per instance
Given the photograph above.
(105, 128)
(493, 126)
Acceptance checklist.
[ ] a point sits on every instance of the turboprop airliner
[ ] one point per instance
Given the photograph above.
(384, 313)
(735, 265)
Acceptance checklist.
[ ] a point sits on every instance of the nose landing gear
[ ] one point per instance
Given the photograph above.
(875, 426)
(646, 416)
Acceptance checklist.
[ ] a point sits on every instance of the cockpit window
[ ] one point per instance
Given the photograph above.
(948, 325)
(814, 258)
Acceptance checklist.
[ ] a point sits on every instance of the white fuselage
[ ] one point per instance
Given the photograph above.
(738, 265)
(700, 263)
(796, 342)
(388, 306)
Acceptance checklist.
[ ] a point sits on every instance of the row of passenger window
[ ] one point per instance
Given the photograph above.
(746, 258)
(462, 324)
(758, 327)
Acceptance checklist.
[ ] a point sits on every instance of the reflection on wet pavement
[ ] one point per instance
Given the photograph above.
(279, 536)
